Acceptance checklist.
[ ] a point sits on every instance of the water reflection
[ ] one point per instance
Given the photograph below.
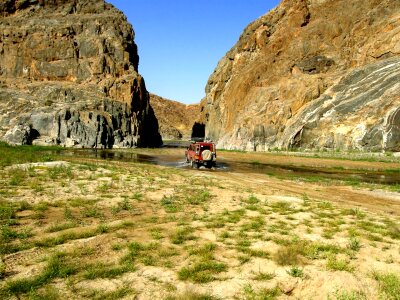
(310, 174)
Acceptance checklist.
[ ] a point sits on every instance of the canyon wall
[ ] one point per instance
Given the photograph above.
(176, 119)
(69, 76)
(310, 74)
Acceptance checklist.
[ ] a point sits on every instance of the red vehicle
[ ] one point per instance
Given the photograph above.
(201, 153)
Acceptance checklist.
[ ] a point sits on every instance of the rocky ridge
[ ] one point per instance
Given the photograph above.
(69, 76)
(310, 74)
(176, 119)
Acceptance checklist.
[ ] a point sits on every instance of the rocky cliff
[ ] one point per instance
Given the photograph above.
(69, 76)
(176, 119)
(311, 74)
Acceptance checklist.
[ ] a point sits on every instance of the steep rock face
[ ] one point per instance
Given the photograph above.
(176, 119)
(310, 74)
(69, 75)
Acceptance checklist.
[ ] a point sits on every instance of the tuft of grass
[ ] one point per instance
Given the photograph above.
(60, 172)
(282, 207)
(100, 270)
(92, 212)
(202, 271)
(320, 250)
(191, 296)
(119, 293)
(263, 294)
(335, 264)
(65, 237)
(359, 214)
(198, 197)
(156, 233)
(261, 276)
(349, 295)
(182, 234)
(205, 251)
(171, 204)
(124, 205)
(291, 254)
(354, 244)
(60, 226)
(17, 177)
(256, 224)
(296, 272)
(251, 200)
(389, 285)
(46, 293)
(58, 267)
(205, 267)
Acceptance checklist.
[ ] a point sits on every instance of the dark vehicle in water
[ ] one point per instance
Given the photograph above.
(201, 154)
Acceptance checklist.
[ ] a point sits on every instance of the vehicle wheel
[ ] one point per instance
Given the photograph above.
(194, 164)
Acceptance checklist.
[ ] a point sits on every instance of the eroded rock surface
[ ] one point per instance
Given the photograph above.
(69, 76)
(176, 119)
(311, 75)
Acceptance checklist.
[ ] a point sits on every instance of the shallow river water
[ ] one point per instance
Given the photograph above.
(306, 173)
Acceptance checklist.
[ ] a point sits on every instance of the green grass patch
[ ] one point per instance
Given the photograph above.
(26, 154)
(249, 293)
(264, 276)
(197, 197)
(182, 234)
(202, 271)
(61, 226)
(58, 266)
(335, 264)
(296, 272)
(100, 270)
(389, 285)
(171, 204)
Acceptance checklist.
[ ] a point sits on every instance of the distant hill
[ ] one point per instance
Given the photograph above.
(175, 119)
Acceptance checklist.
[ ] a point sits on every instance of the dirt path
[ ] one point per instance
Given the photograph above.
(379, 200)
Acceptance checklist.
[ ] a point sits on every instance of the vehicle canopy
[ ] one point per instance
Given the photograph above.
(201, 146)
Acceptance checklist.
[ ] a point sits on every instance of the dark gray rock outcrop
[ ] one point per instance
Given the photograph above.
(69, 72)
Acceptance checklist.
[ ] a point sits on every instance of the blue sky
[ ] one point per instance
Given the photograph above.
(181, 41)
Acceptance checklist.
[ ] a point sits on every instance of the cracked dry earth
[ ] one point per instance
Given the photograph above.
(94, 229)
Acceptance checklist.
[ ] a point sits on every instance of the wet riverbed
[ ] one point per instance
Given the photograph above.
(293, 172)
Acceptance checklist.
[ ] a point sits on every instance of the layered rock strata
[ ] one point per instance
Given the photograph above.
(310, 74)
(69, 76)
(176, 119)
